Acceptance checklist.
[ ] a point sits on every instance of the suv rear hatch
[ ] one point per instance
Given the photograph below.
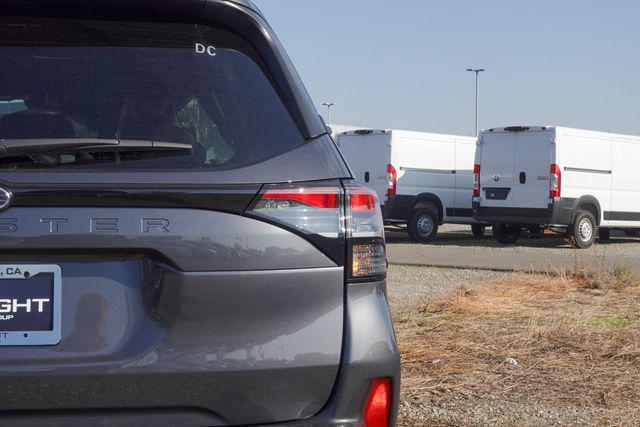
(515, 168)
(135, 152)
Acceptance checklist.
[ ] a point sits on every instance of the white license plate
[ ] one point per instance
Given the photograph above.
(30, 304)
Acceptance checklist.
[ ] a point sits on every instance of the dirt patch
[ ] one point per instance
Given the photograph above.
(534, 348)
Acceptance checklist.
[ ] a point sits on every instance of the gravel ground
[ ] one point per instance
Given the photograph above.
(409, 286)
(453, 235)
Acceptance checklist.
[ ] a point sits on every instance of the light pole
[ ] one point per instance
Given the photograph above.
(328, 105)
(477, 71)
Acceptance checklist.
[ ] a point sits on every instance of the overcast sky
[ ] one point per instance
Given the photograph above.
(401, 64)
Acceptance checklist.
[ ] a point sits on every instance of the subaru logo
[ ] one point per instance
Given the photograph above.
(5, 198)
(496, 177)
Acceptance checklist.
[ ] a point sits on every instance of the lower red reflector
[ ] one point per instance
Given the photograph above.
(377, 412)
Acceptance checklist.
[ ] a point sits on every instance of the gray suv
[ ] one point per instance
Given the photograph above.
(181, 242)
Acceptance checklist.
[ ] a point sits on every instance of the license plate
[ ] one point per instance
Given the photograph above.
(30, 304)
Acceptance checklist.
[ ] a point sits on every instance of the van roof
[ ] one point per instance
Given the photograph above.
(403, 133)
(555, 129)
(366, 132)
(518, 129)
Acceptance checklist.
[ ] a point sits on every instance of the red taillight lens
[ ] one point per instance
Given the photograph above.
(392, 180)
(555, 181)
(377, 412)
(364, 217)
(316, 200)
(476, 181)
(363, 200)
(313, 209)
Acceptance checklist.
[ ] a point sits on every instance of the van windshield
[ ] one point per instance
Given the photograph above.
(125, 81)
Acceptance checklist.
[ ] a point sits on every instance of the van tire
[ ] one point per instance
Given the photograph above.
(478, 230)
(632, 232)
(582, 234)
(506, 234)
(423, 225)
(604, 234)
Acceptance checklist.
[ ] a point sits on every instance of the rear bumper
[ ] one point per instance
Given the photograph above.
(560, 212)
(140, 392)
(370, 352)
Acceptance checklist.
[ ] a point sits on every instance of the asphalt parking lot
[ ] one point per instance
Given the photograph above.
(456, 247)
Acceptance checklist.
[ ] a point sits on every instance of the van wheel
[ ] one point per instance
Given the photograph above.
(632, 232)
(604, 234)
(506, 234)
(478, 230)
(423, 226)
(583, 232)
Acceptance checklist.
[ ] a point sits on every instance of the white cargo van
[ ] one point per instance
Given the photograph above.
(422, 179)
(576, 180)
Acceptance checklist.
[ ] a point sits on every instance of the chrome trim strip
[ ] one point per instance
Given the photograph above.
(444, 171)
(600, 171)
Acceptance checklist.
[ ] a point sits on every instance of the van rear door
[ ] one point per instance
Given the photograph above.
(351, 147)
(532, 168)
(497, 166)
(515, 167)
(368, 153)
(376, 157)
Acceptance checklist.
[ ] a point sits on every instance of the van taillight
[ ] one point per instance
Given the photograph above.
(476, 180)
(392, 180)
(333, 213)
(555, 182)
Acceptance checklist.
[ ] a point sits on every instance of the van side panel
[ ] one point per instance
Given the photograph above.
(586, 165)
(625, 196)
(425, 164)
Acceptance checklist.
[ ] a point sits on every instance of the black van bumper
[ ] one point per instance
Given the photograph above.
(398, 208)
(559, 212)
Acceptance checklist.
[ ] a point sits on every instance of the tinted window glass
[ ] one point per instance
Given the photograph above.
(181, 83)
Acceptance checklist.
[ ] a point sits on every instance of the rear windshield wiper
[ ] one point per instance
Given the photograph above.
(25, 147)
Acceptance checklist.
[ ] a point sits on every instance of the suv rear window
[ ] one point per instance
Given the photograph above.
(164, 82)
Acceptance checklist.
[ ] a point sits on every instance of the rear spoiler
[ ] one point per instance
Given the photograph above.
(175, 6)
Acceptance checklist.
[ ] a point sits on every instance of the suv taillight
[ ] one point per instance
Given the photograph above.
(392, 180)
(367, 258)
(555, 182)
(328, 214)
(476, 181)
(310, 209)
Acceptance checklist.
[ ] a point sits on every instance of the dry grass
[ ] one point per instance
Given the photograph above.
(576, 338)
